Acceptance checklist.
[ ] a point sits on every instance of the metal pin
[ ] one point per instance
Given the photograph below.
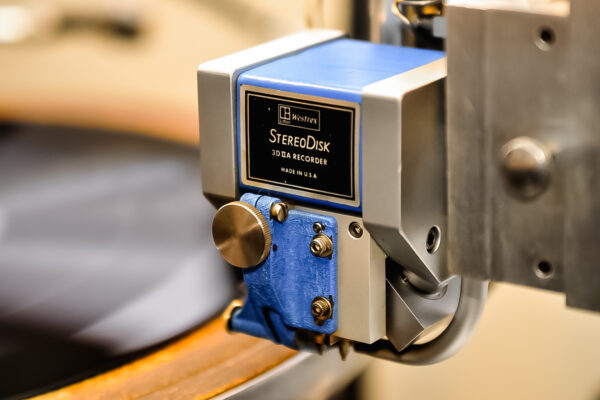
(228, 313)
(279, 211)
(344, 347)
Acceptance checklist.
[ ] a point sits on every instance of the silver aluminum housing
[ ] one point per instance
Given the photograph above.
(403, 146)
(361, 274)
(404, 170)
(411, 314)
(217, 108)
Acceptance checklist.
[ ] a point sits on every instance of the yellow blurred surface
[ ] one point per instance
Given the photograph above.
(146, 85)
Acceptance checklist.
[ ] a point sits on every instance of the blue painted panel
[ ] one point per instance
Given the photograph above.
(339, 69)
(281, 289)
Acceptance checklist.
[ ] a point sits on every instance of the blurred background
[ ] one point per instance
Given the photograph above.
(113, 64)
(105, 248)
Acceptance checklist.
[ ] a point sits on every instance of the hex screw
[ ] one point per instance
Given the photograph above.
(432, 243)
(279, 211)
(355, 230)
(321, 309)
(318, 227)
(321, 245)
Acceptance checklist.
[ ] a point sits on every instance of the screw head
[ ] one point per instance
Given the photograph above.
(318, 227)
(355, 230)
(321, 309)
(321, 245)
(525, 167)
(432, 243)
(279, 211)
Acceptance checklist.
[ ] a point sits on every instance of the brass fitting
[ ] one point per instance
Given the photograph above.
(321, 245)
(279, 211)
(321, 309)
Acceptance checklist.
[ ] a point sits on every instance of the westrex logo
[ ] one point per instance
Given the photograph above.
(299, 117)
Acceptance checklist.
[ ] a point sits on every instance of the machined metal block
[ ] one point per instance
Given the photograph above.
(412, 314)
(404, 175)
(217, 103)
(524, 81)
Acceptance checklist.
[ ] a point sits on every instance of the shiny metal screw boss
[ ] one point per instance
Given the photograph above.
(321, 245)
(279, 211)
(321, 309)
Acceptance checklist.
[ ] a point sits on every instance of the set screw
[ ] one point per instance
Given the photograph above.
(318, 227)
(321, 245)
(355, 230)
(321, 309)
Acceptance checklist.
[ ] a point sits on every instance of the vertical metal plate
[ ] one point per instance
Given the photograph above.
(505, 81)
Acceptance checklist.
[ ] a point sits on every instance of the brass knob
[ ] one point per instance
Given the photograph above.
(241, 234)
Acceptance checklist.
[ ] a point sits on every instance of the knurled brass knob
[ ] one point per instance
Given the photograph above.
(241, 234)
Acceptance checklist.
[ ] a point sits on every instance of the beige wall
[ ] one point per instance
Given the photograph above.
(85, 78)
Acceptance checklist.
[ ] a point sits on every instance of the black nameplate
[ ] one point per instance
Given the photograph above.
(300, 144)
